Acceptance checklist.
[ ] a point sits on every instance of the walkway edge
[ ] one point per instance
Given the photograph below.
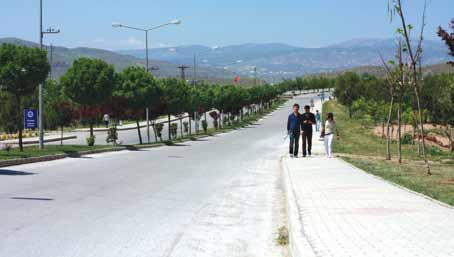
(298, 243)
(397, 185)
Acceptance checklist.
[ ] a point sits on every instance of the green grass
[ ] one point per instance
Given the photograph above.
(359, 146)
(34, 151)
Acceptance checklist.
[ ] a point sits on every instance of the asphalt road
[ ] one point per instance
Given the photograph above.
(220, 196)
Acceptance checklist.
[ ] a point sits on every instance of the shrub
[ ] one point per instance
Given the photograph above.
(158, 127)
(91, 140)
(407, 139)
(112, 135)
(434, 151)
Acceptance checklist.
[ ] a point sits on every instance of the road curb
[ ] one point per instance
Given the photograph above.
(37, 141)
(15, 162)
(298, 243)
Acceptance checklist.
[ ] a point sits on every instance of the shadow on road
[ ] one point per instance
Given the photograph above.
(174, 144)
(14, 173)
(32, 198)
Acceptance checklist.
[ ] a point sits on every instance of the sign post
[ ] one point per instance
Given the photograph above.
(30, 119)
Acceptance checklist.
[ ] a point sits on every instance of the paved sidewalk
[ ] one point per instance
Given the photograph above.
(343, 211)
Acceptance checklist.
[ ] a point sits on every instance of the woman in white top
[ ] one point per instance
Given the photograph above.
(330, 128)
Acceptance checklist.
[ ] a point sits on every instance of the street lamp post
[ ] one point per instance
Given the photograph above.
(41, 86)
(119, 25)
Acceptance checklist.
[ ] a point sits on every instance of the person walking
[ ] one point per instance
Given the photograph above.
(330, 128)
(106, 119)
(294, 130)
(308, 119)
(317, 120)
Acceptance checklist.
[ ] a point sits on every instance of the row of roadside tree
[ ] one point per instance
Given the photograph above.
(91, 88)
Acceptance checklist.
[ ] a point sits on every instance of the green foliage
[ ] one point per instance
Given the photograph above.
(112, 135)
(59, 113)
(159, 127)
(175, 95)
(139, 88)
(89, 82)
(174, 130)
(21, 70)
(91, 140)
(407, 139)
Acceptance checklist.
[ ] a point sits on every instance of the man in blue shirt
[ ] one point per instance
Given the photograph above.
(294, 129)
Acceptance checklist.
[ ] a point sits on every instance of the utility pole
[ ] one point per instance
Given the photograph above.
(146, 30)
(182, 70)
(195, 70)
(41, 86)
(194, 84)
(255, 76)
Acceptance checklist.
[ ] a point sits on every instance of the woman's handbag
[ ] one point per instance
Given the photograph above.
(322, 133)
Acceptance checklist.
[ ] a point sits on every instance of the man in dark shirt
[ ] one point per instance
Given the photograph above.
(294, 129)
(308, 119)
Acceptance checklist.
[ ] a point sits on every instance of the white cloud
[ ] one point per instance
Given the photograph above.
(134, 42)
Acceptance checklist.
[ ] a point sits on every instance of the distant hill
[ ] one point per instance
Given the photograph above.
(62, 59)
(276, 61)
(379, 71)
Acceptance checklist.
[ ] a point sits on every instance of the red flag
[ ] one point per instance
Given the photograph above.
(237, 79)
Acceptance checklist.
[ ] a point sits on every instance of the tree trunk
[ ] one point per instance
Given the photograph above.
(139, 132)
(448, 133)
(181, 127)
(451, 140)
(154, 131)
(414, 78)
(383, 129)
(190, 125)
(170, 136)
(388, 136)
(421, 123)
(19, 123)
(399, 131)
(61, 136)
(91, 129)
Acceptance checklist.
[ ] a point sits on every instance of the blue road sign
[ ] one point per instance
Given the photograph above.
(30, 119)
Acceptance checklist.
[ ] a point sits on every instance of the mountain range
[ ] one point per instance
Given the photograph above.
(272, 61)
(276, 61)
(62, 58)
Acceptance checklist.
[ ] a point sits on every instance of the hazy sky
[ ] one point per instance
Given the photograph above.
(212, 22)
